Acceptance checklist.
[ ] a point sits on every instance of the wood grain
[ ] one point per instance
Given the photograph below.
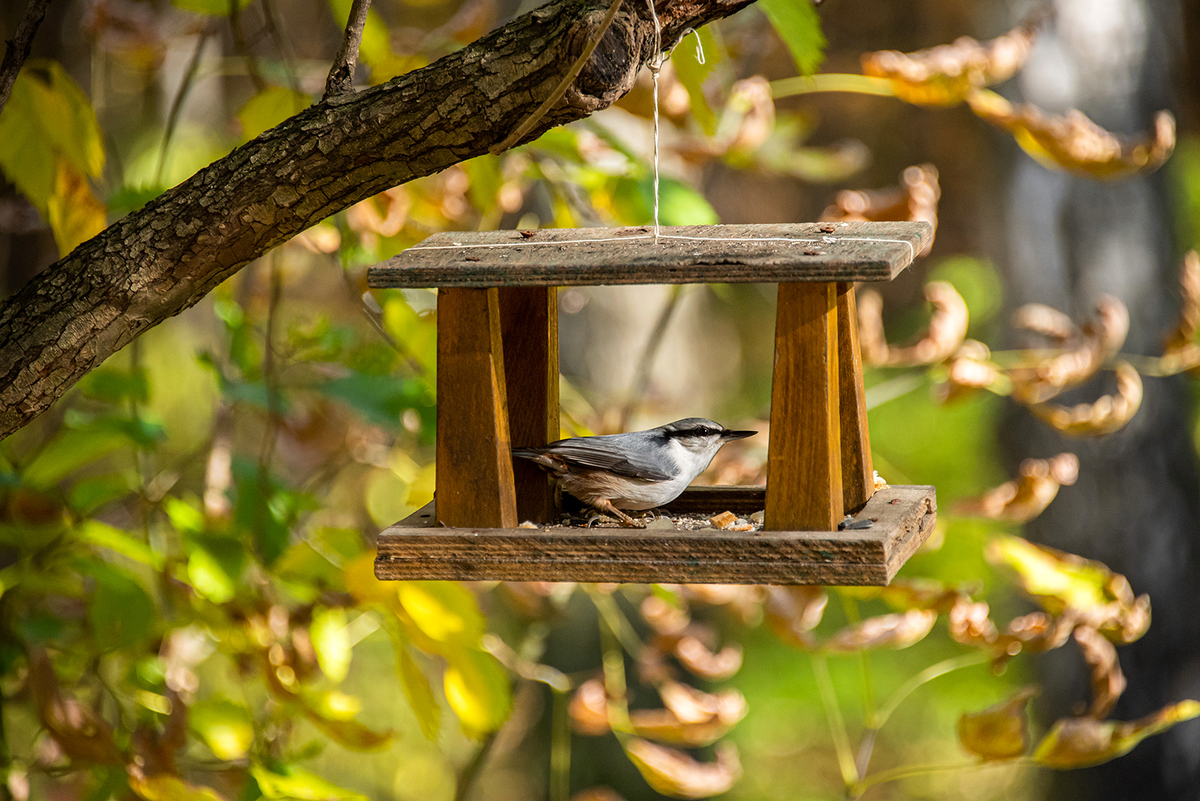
(804, 474)
(904, 518)
(474, 454)
(859, 251)
(858, 473)
(529, 329)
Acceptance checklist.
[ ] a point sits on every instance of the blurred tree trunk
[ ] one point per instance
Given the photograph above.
(1136, 506)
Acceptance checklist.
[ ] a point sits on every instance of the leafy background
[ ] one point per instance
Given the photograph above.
(188, 609)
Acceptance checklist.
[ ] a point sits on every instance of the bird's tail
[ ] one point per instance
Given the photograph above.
(543, 460)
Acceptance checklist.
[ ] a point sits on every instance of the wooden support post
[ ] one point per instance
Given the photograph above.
(474, 458)
(858, 474)
(529, 328)
(804, 463)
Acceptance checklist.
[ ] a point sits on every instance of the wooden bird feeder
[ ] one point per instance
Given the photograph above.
(497, 387)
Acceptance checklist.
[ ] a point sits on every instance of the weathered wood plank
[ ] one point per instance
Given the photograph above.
(904, 516)
(859, 251)
(474, 470)
(804, 456)
(858, 473)
(529, 329)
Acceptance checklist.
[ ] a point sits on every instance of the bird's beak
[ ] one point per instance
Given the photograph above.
(732, 435)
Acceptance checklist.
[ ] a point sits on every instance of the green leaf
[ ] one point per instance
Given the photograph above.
(115, 385)
(381, 399)
(213, 8)
(419, 692)
(120, 612)
(106, 536)
(444, 611)
(797, 23)
(226, 727)
(268, 108)
(679, 204)
(89, 494)
(70, 450)
(215, 566)
(185, 517)
(477, 689)
(291, 782)
(331, 642)
(165, 787)
(693, 75)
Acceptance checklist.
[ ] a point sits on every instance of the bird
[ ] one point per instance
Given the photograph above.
(638, 470)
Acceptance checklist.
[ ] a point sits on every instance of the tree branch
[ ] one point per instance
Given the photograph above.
(164, 258)
(18, 47)
(341, 74)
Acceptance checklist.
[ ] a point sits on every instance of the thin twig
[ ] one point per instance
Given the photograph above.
(641, 379)
(274, 409)
(563, 85)
(18, 47)
(341, 74)
(471, 772)
(185, 86)
(282, 45)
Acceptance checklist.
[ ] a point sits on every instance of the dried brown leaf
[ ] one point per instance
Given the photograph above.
(1106, 414)
(969, 623)
(1000, 731)
(871, 338)
(588, 709)
(885, 631)
(80, 732)
(1036, 633)
(1026, 497)
(944, 75)
(1185, 330)
(945, 334)
(674, 773)
(665, 618)
(1108, 682)
(700, 661)
(1073, 142)
(1047, 321)
(1081, 742)
(1099, 340)
(915, 199)
(793, 612)
(690, 717)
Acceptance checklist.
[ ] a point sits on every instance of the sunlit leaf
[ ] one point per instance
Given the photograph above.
(915, 198)
(226, 727)
(477, 689)
(885, 631)
(588, 708)
(797, 23)
(945, 334)
(331, 642)
(214, 568)
(1082, 742)
(945, 75)
(1057, 580)
(1074, 143)
(1106, 415)
(674, 773)
(1026, 497)
(351, 734)
(1086, 350)
(699, 660)
(445, 611)
(70, 450)
(679, 204)
(165, 787)
(291, 782)
(1000, 731)
(268, 108)
(969, 624)
(106, 536)
(793, 612)
(86, 495)
(359, 575)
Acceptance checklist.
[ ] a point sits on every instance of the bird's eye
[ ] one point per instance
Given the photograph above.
(703, 431)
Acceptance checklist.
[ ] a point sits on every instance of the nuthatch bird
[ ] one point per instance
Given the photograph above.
(639, 470)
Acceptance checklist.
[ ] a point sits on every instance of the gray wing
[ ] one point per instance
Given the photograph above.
(592, 452)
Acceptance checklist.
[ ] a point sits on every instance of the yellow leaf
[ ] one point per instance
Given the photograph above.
(1000, 731)
(1057, 580)
(225, 727)
(74, 212)
(419, 692)
(331, 641)
(444, 611)
(477, 689)
(268, 108)
(165, 787)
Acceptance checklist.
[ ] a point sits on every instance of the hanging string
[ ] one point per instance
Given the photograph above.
(655, 66)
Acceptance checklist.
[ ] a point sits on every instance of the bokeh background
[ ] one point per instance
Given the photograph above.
(185, 539)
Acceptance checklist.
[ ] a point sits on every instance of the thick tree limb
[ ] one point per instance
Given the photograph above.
(162, 259)
(18, 47)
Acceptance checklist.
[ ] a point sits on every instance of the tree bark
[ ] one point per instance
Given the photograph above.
(158, 261)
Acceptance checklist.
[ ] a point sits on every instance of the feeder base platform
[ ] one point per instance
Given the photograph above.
(902, 518)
